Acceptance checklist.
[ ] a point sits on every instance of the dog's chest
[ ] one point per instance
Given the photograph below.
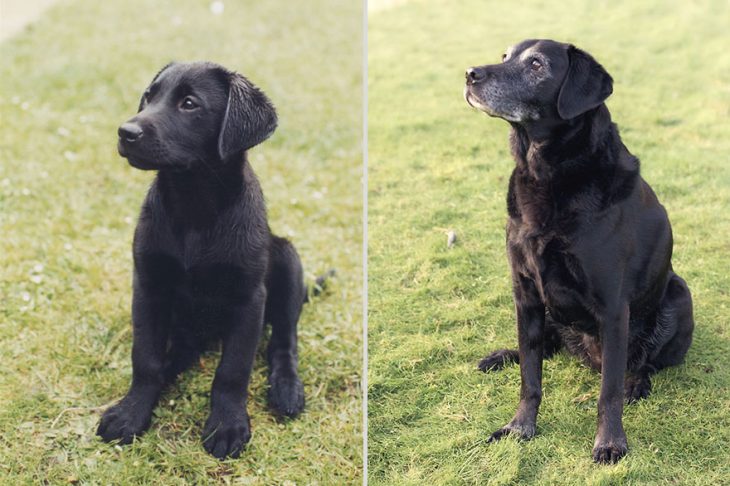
(546, 260)
(213, 273)
(195, 281)
(198, 267)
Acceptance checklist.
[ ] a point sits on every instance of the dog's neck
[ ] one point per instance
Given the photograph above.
(196, 197)
(541, 147)
(567, 162)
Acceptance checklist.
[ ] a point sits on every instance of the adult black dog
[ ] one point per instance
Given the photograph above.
(206, 265)
(589, 245)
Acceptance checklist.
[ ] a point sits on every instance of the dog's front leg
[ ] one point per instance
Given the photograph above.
(530, 326)
(132, 415)
(611, 444)
(227, 429)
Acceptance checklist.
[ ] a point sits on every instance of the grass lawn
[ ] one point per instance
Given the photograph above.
(437, 165)
(68, 206)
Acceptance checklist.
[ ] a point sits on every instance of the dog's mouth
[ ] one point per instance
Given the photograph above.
(133, 159)
(140, 159)
(140, 164)
(475, 102)
(508, 113)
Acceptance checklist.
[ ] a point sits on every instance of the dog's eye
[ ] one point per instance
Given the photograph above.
(535, 64)
(188, 104)
(504, 57)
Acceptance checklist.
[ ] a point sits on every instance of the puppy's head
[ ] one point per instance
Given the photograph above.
(538, 80)
(195, 114)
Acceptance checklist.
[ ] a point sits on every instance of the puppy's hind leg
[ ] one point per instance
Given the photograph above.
(181, 355)
(502, 357)
(286, 295)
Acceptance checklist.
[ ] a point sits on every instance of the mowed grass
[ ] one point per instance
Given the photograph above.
(437, 165)
(68, 207)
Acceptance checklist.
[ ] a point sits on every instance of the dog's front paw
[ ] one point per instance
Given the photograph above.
(226, 435)
(124, 422)
(286, 395)
(609, 446)
(610, 451)
(520, 430)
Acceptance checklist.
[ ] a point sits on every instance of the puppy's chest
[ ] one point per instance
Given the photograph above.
(199, 268)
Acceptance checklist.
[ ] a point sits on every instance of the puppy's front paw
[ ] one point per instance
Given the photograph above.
(520, 430)
(609, 452)
(286, 395)
(226, 435)
(124, 422)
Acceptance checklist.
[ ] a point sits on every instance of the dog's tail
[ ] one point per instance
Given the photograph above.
(320, 283)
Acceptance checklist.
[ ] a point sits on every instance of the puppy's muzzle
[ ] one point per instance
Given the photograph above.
(130, 132)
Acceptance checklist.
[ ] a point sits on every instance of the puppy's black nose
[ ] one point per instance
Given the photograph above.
(475, 74)
(130, 132)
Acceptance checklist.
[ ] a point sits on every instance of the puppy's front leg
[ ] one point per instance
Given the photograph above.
(611, 444)
(530, 327)
(132, 415)
(227, 429)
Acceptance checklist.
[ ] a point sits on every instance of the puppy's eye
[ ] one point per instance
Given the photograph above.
(188, 104)
(535, 64)
(504, 57)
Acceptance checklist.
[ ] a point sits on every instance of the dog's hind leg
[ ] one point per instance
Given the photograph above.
(496, 360)
(184, 346)
(286, 295)
(637, 384)
(181, 355)
(502, 357)
(670, 340)
(675, 319)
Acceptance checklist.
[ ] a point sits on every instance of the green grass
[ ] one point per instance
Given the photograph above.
(68, 204)
(435, 164)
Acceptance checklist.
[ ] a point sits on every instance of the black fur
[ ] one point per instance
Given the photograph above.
(589, 244)
(206, 266)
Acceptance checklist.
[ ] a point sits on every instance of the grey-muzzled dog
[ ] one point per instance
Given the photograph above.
(589, 244)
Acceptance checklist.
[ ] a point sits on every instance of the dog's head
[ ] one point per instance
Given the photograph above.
(538, 80)
(195, 113)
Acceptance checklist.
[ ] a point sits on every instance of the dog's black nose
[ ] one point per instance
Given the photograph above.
(475, 74)
(130, 132)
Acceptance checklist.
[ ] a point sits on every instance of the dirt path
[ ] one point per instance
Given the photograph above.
(16, 14)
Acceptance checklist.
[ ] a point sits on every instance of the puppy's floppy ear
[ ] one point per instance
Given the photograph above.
(586, 85)
(141, 100)
(250, 117)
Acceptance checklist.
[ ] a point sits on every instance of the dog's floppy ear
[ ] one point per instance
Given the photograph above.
(586, 85)
(249, 120)
(141, 100)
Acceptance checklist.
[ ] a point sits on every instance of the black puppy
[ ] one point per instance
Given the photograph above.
(589, 245)
(206, 266)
